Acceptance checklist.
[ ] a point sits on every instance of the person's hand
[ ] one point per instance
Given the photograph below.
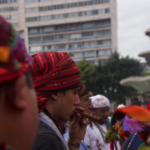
(77, 127)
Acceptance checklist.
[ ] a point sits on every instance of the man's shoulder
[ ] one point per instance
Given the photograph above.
(47, 139)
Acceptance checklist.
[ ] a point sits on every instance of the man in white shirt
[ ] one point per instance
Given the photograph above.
(95, 134)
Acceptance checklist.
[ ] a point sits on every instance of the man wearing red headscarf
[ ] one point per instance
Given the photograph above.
(18, 105)
(56, 79)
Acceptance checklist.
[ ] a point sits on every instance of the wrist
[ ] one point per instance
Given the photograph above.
(74, 141)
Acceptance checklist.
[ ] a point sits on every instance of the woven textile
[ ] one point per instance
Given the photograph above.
(83, 90)
(53, 71)
(14, 60)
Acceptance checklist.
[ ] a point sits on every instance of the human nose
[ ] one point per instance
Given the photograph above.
(77, 101)
(107, 113)
(91, 106)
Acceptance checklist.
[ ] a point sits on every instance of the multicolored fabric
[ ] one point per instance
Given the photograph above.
(134, 112)
(83, 90)
(135, 119)
(148, 106)
(14, 60)
(100, 101)
(53, 71)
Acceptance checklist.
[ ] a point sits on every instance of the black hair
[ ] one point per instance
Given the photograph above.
(28, 79)
(88, 89)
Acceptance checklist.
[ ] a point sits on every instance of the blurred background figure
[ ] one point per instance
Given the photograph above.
(18, 106)
(85, 102)
(95, 134)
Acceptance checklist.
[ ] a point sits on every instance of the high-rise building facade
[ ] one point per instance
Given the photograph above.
(82, 28)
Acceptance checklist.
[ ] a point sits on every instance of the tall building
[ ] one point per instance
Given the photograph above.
(82, 28)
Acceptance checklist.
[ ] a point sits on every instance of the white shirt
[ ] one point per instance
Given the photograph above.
(93, 138)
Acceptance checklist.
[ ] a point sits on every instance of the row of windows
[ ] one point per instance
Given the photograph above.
(68, 15)
(94, 53)
(32, 1)
(8, 9)
(76, 45)
(11, 17)
(72, 36)
(106, 52)
(7, 1)
(63, 6)
(73, 26)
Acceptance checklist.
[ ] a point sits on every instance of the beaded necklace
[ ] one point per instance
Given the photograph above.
(131, 140)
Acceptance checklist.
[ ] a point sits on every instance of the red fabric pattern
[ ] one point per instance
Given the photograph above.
(83, 90)
(135, 112)
(53, 71)
(14, 60)
(112, 145)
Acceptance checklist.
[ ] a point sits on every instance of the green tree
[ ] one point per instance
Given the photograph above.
(103, 76)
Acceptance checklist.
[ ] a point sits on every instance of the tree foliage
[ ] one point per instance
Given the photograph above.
(105, 78)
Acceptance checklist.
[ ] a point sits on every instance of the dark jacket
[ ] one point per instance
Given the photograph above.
(135, 143)
(47, 139)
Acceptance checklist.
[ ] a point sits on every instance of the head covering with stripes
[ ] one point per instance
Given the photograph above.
(53, 71)
(83, 90)
(14, 60)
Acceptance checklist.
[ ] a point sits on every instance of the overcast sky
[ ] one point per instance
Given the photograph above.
(133, 21)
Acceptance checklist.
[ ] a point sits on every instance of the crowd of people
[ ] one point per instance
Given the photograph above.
(39, 96)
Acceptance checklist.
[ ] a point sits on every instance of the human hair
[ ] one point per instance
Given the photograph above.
(28, 79)
(11, 84)
(88, 89)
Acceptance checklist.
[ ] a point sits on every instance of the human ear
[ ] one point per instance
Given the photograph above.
(16, 93)
(55, 95)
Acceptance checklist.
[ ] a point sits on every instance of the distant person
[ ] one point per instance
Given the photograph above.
(89, 91)
(18, 105)
(56, 79)
(134, 141)
(95, 134)
(85, 102)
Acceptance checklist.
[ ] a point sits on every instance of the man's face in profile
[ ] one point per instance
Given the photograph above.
(19, 114)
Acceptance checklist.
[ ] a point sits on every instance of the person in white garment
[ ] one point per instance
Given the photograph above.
(95, 134)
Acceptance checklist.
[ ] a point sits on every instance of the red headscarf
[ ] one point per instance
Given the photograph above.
(53, 71)
(83, 90)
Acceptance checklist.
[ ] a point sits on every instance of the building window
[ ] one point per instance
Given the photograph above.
(88, 24)
(48, 38)
(89, 53)
(61, 36)
(35, 48)
(75, 45)
(61, 46)
(104, 42)
(7, 9)
(75, 36)
(76, 54)
(66, 15)
(47, 29)
(48, 47)
(87, 34)
(107, 10)
(34, 40)
(7, 1)
(34, 30)
(13, 17)
(89, 44)
(106, 52)
(103, 33)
